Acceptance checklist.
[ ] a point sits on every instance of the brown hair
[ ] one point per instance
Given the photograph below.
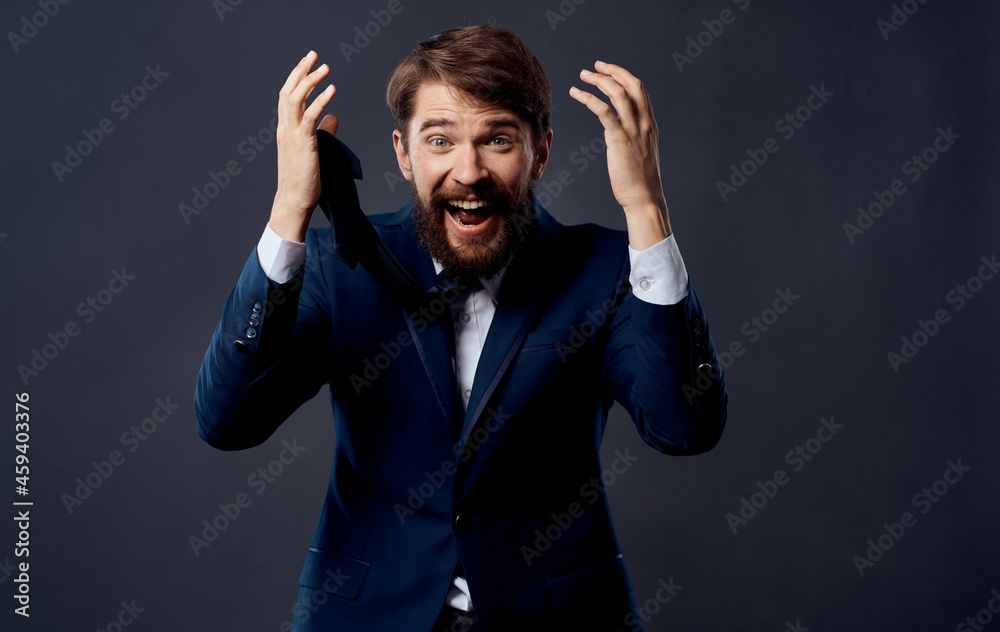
(488, 63)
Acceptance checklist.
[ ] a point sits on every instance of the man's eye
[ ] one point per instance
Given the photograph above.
(439, 142)
(500, 141)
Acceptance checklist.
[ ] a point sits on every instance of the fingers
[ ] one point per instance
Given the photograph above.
(619, 95)
(305, 87)
(297, 88)
(638, 93)
(298, 72)
(627, 94)
(603, 111)
(316, 108)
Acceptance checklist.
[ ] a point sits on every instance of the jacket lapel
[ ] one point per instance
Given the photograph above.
(430, 332)
(521, 295)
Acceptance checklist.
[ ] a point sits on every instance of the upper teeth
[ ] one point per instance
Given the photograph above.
(466, 204)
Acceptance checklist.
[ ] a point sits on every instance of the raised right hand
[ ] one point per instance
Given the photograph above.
(298, 158)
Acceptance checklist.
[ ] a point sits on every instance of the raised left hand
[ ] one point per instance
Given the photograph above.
(631, 136)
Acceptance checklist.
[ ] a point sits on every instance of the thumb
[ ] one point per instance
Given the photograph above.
(329, 124)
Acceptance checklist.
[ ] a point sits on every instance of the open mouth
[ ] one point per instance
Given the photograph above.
(469, 213)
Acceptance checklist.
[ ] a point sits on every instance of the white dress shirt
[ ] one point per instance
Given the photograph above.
(657, 276)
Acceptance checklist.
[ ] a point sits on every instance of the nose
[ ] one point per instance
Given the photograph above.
(469, 167)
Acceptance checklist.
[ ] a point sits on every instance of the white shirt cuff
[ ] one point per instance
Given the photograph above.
(658, 274)
(279, 258)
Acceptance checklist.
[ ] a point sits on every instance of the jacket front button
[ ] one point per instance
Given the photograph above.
(257, 306)
(255, 319)
(462, 522)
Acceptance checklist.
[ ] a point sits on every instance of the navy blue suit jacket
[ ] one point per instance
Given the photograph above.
(513, 487)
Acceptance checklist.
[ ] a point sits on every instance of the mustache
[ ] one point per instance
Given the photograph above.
(491, 197)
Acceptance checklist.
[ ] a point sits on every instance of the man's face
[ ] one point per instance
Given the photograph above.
(471, 169)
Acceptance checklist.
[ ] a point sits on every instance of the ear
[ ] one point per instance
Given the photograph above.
(542, 156)
(401, 156)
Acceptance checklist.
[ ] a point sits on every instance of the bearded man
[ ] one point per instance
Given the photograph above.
(467, 490)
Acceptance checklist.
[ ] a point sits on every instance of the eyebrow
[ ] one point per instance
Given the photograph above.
(492, 126)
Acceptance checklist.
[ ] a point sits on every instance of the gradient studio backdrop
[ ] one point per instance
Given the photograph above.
(212, 73)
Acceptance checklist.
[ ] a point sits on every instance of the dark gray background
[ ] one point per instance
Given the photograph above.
(824, 357)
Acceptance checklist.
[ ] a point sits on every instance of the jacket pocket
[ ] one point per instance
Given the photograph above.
(334, 574)
(590, 585)
(560, 338)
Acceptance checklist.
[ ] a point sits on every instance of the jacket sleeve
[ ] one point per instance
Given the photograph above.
(270, 352)
(660, 364)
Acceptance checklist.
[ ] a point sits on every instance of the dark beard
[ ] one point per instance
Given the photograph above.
(481, 256)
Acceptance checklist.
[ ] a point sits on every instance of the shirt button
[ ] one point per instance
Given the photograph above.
(257, 306)
(255, 319)
(644, 284)
(467, 393)
(465, 317)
